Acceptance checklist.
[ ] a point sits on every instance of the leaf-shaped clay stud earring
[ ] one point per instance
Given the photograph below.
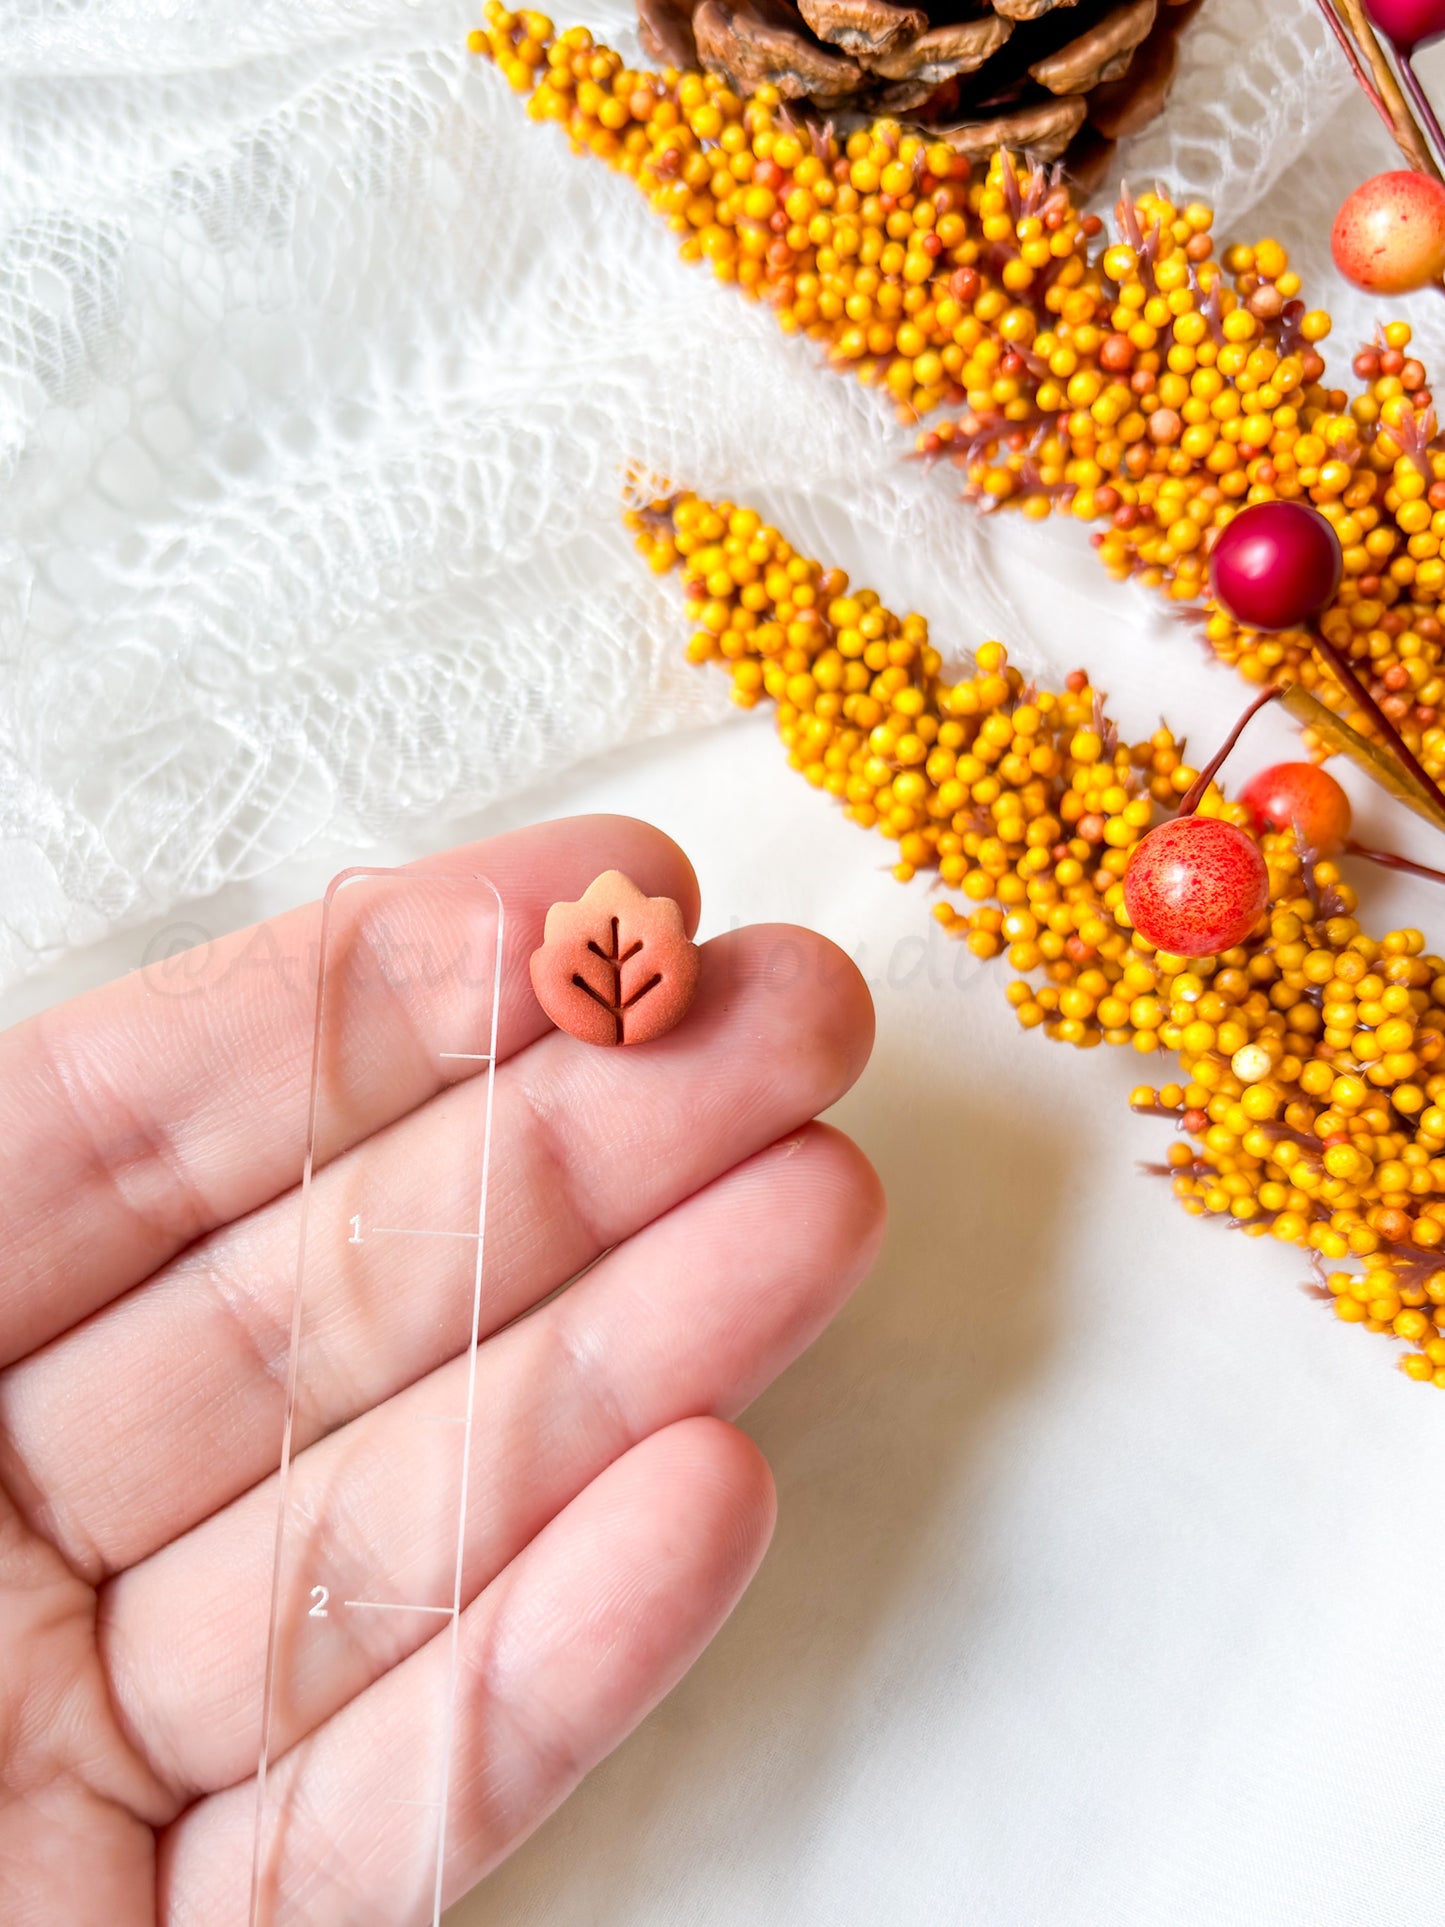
(616, 967)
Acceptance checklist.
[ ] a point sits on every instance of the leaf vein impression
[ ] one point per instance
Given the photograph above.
(615, 957)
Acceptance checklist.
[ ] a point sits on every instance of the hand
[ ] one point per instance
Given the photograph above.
(150, 1146)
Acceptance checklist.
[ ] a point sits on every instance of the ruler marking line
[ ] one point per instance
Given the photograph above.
(396, 1606)
(406, 1231)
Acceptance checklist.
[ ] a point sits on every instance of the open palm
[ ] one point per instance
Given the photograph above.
(150, 1146)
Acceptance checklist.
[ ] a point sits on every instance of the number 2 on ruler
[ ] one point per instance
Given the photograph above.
(319, 1597)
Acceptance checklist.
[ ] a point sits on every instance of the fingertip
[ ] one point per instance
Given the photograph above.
(656, 863)
(743, 1480)
(825, 979)
(861, 1201)
(553, 862)
(817, 1173)
(794, 1231)
(812, 993)
(723, 1503)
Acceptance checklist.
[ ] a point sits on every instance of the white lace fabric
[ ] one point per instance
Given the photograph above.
(320, 367)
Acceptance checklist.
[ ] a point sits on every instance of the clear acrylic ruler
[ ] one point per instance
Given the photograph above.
(381, 1399)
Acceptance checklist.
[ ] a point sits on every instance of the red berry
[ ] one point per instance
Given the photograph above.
(1302, 797)
(1276, 565)
(1389, 236)
(1407, 22)
(1195, 886)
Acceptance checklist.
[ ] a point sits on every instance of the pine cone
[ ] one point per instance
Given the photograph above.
(1061, 79)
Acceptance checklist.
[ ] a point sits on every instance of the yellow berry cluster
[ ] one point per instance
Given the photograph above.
(1137, 383)
(1311, 1085)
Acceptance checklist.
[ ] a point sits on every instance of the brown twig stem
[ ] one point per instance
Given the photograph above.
(1390, 861)
(1357, 66)
(1403, 125)
(1420, 101)
(1194, 795)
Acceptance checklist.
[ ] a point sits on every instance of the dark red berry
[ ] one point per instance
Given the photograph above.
(1302, 797)
(1277, 565)
(1408, 23)
(1195, 886)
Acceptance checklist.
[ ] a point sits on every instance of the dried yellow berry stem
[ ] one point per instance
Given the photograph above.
(1410, 137)
(1139, 384)
(1311, 1081)
(1356, 64)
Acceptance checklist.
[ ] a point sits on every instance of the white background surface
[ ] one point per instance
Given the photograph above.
(1106, 1587)
(1108, 1577)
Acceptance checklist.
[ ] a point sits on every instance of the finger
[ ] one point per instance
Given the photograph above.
(170, 1402)
(146, 1113)
(695, 1315)
(558, 1660)
(77, 1807)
